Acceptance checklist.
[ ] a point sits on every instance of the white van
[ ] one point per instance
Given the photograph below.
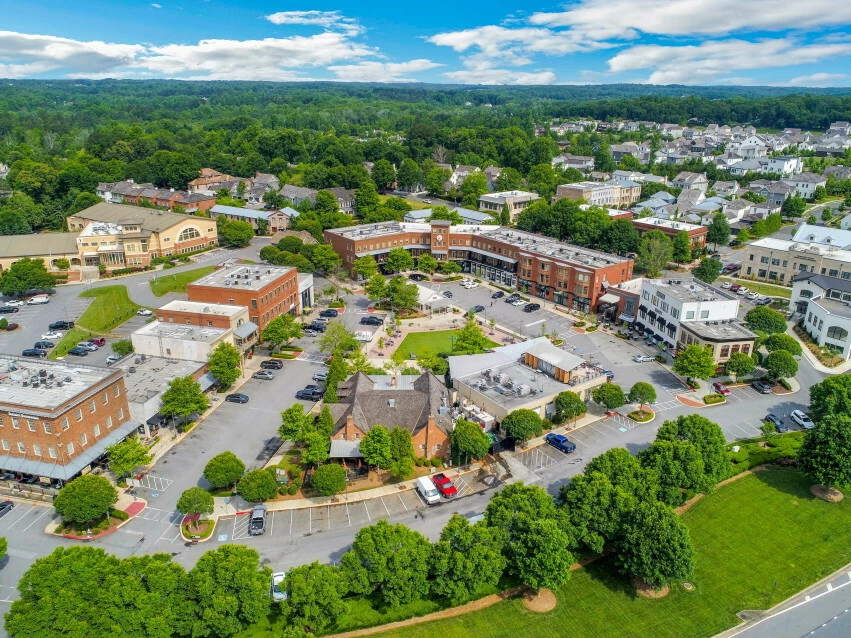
(38, 300)
(428, 491)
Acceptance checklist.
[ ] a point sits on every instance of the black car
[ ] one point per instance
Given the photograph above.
(318, 326)
(447, 294)
(79, 352)
(417, 277)
(371, 321)
(777, 422)
(61, 325)
(310, 394)
(44, 345)
(6, 507)
(762, 388)
(531, 307)
(272, 364)
(476, 309)
(498, 295)
(7, 309)
(237, 397)
(512, 297)
(330, 313)
(34, 352)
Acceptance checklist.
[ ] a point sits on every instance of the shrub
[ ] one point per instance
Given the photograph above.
(786, 384)
(641, 416)
(337, 303)
(712, 399)
(291, 348)
(659, 358)
(590, 328)
(579, 324)
(4, 323)
(291, 489)
(257, 486)
(420, 461)
(121, 515)
(478, 281)
(283, 355)
(436, 462)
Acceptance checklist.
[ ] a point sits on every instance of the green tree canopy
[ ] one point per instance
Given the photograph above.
(780, 364)
(295, 424)
(642, 393)
(281, 329)
(365, 266)
(224, 469)
(316, 447)
(26, 275)
(85, 499)
(708, 270)
(679, 466)
(609, 395)
(782, 341)
(765, 319)
(183, 398)
(471, 339)
(427, 263)
(597, 508)
(625, 471)
(399, 259)
(826, 453)
(569, 406)
(654, 253)
(401, 453)
(682, 247)
(196, 500)
(325, 258)
(739, 364)
(125, 456)
(235, 233)
(469, 442)
(718, 231)
(707, 437)
(375, 447)
(224, 363)
(329, 479)
(522, 424)
(831, 396)
(315, 596)
(257, 486)
(337, 338)
(694, 362)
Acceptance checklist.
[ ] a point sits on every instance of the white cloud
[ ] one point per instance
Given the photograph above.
(819, 79)
(608, 19)
(324, 19)
(713, 60)
(501, 76)
(156, 6)
(381, 71)
(34, 54)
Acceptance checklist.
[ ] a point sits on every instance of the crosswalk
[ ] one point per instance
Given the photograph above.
(155, 483)
(666, 405)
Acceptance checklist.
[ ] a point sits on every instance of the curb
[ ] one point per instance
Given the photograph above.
(194, 541)
(51, 532)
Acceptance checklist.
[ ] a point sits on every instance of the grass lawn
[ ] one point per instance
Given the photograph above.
(167, 282)
(414, 204)
(71, 339)
(111, 307)
(438, 342)
(758, 541)
(763, 289)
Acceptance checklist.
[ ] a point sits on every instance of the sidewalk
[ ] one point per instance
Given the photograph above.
(133, 506)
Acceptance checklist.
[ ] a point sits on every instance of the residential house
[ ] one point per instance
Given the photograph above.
(582, 163)
(806, 183)
(725, 189)
(693, 181)
(209, 180)
(275, 220)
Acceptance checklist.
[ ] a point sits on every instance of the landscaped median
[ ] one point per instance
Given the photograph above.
(165, 282)
(125, 509)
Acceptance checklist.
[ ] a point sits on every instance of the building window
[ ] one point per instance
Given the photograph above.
(91, 407)
(97, 430)
(104, 398)
(116, 391)
(78, 414)
(121, 413)
(725, 351)
(835, 332)
(746, 348)
(70, 449)
(15, 423)
(187, 234)
(36, 449)
(22, 448)
(83, 439)
(52, 452)
(47, 429)
(31, 425)
(690, 314)
(108, 422)
(5, 445)
(763, 259)
(704, 314)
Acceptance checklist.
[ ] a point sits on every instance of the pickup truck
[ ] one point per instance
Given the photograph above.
(444, 485)
(560, 442)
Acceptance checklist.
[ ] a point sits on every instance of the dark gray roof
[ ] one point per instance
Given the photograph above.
(825, 282)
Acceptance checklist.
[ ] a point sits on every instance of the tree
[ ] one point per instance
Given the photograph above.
(383, 174)
(739, 364)
(625, 471)
(325, 258)
(366, 199)
(654, 253)
(316, 447)
(329, 479)
(224, 470)
(376, 287)
(522, 425)
(436, 179)
(315, 596)
(228, 590)
(281, 329)
(235, 233)
(743, 236)
(831, 396)
(620, 237)
(642, 393)
(375, 447)
(388, 561)
(826, 453)
(475, 185)
(427, 263)
(337, 338)
(401, 453)
(365, 267)
(597, 508)
(569, 406)
(399, 259)
(782, 341)
(325, 422)
(819, 193)
(442, 212)
(122, 347)
(125, 456)
(295, 424)
(183, 398)
(780, 364)
(678, 466)
(471, 339)
(505, 215)
(196, 500)
(466, 559)
(509, 179)
(718, 231)
(708, 270)
(709, 440)
(274, 200)
(25, 275)
(63, 264)
(469, 442)
(4, 547)
(325, 202)
(224, 363)
(765, 319)
(694, 362)
(682, 247)
(656, 547)
(85, 499)
(409, 175)
(793, 207)
(609, 395)
(450, 267)
(257, 486)
(402, 295)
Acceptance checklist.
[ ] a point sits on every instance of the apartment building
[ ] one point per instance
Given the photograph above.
(671, 228)
(779, 260)
(275, 219)
(58, 418)
(605, 194)
(517, 202)
(546, 268)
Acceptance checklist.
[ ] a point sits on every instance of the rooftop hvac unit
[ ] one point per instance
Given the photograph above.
(59, 384)
(523, 389)
(391, 403)
(67, 379)
(257, 277)
(504, 379)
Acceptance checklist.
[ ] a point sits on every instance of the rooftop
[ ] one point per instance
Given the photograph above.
(38, 244)
(99, 229)
(45, 384)
(248, 213)
(834, 306)
(244, 277)
(823, 281)
(667, 223)
(151, 375)
(506, 194)
(123, 215)
(690, 290)
(541, 245)
(164, 330)
(810, 233)
(729, 330)
(222, 310)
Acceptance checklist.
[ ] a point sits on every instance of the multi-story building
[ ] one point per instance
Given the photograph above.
(549, 269)
(724, 338)
(517, 202)
(58, 418)
(696, 181)
(807, 285)
(609, 193)
(128, 192)
(806, 183)
(49, 247)
(275, 219)
(210, 180)
(267, 291)
(779, 260)
(179, 341)
(828, 322)
(672, 228)
(234, 320)
(118, 236)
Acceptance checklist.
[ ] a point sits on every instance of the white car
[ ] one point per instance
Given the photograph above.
(278, 594)
(52, 335)
(799, 417)
(753, 295)
(15, 303)
(470, 284)
(726, 284)
(741, 291)
(518, 302)
(642, 358)
(144, 312)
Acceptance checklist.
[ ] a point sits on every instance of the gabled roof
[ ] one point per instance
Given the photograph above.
(124, 215)
(824, 282)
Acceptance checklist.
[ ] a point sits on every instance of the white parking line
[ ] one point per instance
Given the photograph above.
(272, 526)
(329, 517)
(291, 522)
(403, 502)
(347, 514)
(381, 498)
(18, 520)
(534, 323)
(367, 511)
(46, 511)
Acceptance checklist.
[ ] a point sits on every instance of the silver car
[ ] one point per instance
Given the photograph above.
(257, 524)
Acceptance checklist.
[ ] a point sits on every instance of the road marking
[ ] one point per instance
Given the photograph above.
(272, 525)
(367, 511)
(291, 522)
(131, 531)
(329, 517)
(18, 520)
(349, 518)
(381, 498)
(310, 519)
(403, 502)
(829, 587)
(534, 323)
(36, 520)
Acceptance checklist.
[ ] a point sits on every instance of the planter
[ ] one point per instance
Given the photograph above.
(642, 416)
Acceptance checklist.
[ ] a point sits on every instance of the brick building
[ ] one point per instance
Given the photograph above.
(671, 228)
(57, 418)
(546, 268)
(267, 291)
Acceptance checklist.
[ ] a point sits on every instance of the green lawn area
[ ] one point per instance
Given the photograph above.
(166, 282)
(415, 205)
(71, 339)
(758, 541)
(761, 288)
(111, 307)
(438, 342)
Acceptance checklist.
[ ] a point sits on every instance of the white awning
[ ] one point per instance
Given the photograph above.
(627, 318)
(609, 298)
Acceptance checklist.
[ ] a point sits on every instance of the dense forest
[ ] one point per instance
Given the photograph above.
(60, 138)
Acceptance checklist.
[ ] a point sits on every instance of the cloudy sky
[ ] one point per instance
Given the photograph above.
(766, 42)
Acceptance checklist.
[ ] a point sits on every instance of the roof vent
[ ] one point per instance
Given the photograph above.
(391, 403)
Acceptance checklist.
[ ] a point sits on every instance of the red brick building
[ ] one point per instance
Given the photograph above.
(672, 228)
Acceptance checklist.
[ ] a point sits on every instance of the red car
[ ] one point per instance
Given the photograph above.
(720, 388)
(444, 485)
(98, 341)
(735, 287)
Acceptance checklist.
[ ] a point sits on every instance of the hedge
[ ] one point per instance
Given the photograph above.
(751, 454)
(121, 515)
(291, 349)
(339, 303)
(785, 384)
(712, 399)
(283, 355)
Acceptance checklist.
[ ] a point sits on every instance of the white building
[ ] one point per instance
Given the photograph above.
(179, 341)
(828, 321)
(807, 285)
(806, 183)
(785, 165)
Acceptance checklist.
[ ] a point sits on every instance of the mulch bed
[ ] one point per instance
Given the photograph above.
(545, 600)
(646, 591)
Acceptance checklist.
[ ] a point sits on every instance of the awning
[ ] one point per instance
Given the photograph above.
(649, 331)
(246, 330)
(652, 315)
(345, 449)
(207, 381)
(658, 337)
(639, 325)
(669, 344)
(672, 325)
(609, 298)
(626, 317)
(642, 308)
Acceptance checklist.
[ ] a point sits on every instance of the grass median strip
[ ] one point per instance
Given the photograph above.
(167, 282)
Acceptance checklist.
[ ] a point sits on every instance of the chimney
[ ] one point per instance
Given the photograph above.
(394, 381)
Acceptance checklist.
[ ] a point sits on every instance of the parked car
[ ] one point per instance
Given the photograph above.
(444, 485)
(743, 290)
(309, 332)
(761, 387)
(763, 301)
(518, 302)
(237, 397)
(716, 256)
(278, 592)
(8, 309)
(531, 307)
(727, 285)
(38, 300)
(52, 335)
(272, 364)
(61, 325)
(320, 375)
(311, 394)
(34, 352)
(560, 442)
(317, 326)
(6, 507)
(417, 277)
(642, 358)
(428, 491)
(447, 294)
(79, 352)
(85, 344)
(98, 341)
(113, 358)
(469, 285)
(144, 312)
(265, 375)
(15, 302)
(257, 524)
(371, 321)
(330, 313)
(44, 345)
(498, 295)
(476, 309)
(752, 295)
(512, 297)
(777, 422)
(735, 287)
(801, 418)
(609, 375)
(720, 388)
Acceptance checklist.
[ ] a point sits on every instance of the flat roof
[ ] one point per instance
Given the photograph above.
(833, 306)
(21, 381)
(730, 330)
(185, 332)
(38, 245)
(667, 223)
(243, 276)
(97, 229)
(507, 194)
(690, 290)
(219, 309)
(152, 374)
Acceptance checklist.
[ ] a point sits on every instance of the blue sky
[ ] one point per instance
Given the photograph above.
(773, 42)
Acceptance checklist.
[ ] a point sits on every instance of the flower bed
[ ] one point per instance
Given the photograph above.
(641, 416)
(712, 399)
(824, 356)
(291, 349)
(337, 304)
(285, 355)
(202, 529)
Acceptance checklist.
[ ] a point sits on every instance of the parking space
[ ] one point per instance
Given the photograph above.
(26, 518)
(539, 458)
(740, 430)
(661, 406)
